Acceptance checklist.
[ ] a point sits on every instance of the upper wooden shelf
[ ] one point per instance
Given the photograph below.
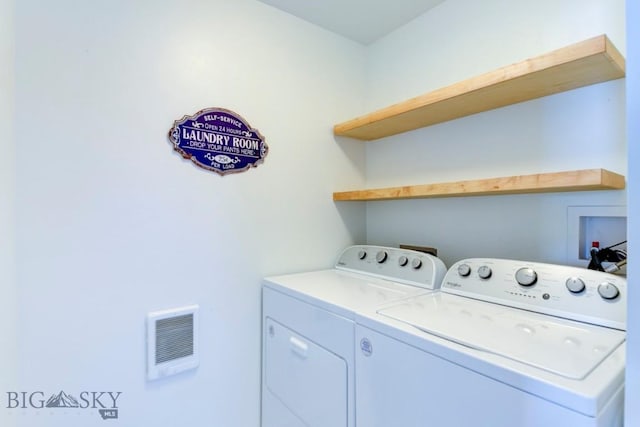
(588, 62)
(580, 180)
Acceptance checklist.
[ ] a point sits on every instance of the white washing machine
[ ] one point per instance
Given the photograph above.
(308, 375)
(504, 343)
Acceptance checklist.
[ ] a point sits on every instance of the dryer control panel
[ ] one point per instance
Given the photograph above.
(570, 292)
(398, 265)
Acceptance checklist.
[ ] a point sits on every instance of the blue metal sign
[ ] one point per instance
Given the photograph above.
(218, 140)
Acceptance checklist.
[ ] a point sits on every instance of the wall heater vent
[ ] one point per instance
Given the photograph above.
(172, 341)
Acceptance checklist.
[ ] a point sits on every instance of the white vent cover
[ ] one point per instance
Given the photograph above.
(172, 341)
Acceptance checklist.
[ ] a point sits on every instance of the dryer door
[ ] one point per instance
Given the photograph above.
(310, 381)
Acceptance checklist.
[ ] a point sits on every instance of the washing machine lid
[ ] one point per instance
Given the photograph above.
(342, 292)
(564, 347)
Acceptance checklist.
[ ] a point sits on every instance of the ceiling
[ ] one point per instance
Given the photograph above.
(364, 21)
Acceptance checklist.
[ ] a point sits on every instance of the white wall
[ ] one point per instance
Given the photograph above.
(581, 129)
(632, 397)
(111, 223)
(7, 196)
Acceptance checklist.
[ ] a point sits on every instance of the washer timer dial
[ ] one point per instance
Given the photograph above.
(526, 276)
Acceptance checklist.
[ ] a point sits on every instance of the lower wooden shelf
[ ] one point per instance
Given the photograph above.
(580, 180)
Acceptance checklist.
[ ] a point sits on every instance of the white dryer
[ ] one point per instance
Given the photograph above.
(504, 343)
(308, 375)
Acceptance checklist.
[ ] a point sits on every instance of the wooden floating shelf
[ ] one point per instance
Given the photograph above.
(580, 180)
(588, 62)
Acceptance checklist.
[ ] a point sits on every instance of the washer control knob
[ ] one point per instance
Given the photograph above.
(416, 263)
(403, 260)
(484, 272)
(575, 285)
(464, 270)
(362, 254)
(526, 276)
(608, 290)
(381, 257)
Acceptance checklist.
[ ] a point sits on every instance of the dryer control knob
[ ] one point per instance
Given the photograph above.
(403, 260)
(526, 276)
(381, 257)
(362, 254)
(464, 270)
(484, 272)
(416, 263)
(608, 290)
(575, 285)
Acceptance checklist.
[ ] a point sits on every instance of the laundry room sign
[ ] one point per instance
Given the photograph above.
(218, 140)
